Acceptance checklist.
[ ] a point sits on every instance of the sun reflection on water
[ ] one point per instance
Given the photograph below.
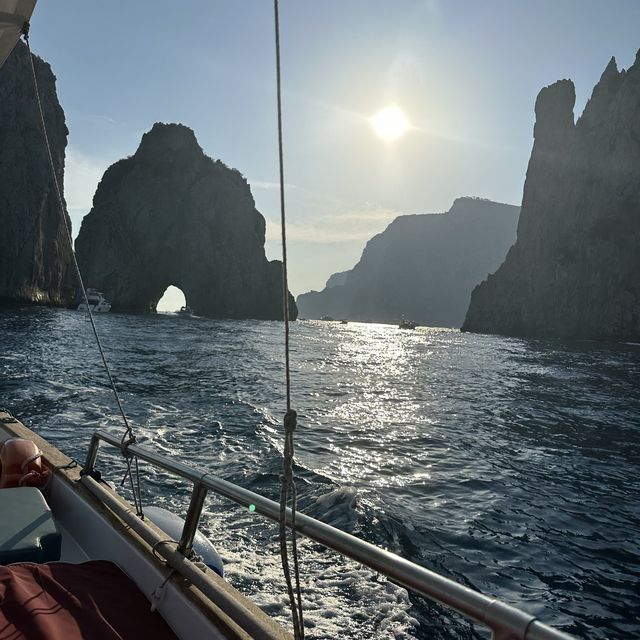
(372, 398)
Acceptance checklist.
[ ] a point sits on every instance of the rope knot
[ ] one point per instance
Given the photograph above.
(124, 445)
(290, 421)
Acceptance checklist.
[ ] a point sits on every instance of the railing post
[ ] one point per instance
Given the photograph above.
(198, 495)
(92, 454)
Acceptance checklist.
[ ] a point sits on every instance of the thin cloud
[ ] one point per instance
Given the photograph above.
(319, 218)
(271, 186)
(97, 119)
(331, 228)
(104, 119)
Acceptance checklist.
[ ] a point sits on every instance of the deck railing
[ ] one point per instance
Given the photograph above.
(506, 622)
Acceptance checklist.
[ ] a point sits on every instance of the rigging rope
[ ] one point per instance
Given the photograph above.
(128, 436)
(290, 418)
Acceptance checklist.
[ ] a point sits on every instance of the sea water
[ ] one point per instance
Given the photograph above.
(509, 465)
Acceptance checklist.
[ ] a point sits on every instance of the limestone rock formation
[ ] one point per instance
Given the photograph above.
(170, 215)
(574, 271)
(422, 266)
(337, 279)
(36, 253)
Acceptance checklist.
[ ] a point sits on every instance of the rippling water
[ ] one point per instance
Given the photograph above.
(509, 465)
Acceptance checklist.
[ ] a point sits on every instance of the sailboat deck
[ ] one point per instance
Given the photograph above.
(91, 531)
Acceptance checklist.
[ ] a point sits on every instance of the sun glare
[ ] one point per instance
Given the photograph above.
(390, 123)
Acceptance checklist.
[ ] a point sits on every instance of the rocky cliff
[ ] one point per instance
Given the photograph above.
(170, 215)
(422, 266)
(575, 268)
(36, 254)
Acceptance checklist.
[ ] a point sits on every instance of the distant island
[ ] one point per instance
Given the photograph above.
(574, 271)
(422, 267)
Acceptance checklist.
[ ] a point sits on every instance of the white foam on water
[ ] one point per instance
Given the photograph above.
(340, 597)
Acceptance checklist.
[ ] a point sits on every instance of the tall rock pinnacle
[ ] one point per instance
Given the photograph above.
(574, 271)
(36, 254)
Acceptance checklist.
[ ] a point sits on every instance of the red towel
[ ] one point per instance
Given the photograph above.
(61, 601)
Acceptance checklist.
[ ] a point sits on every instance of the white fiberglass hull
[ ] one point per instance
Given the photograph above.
(100, 307)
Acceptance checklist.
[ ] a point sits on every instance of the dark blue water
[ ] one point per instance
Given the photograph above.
(509, 465)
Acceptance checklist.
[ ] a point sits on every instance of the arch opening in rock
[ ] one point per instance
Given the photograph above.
(172, 300)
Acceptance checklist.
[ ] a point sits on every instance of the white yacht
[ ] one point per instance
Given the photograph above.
(97, 302)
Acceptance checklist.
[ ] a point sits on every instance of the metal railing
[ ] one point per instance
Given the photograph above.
(506, 622)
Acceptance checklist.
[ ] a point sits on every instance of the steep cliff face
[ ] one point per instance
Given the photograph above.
(170, 215)
(35, 255)
(575, 268)
(422, 266)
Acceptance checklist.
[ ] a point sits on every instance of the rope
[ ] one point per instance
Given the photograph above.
(290, 417)
(128, 436)
(289, 485)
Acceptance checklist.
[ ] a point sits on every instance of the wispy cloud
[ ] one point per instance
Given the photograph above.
(96, 119)
(270, 186)
(106, 120)
(319, 218)
(336, 227)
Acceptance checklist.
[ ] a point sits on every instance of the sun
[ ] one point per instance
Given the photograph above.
(390, 123)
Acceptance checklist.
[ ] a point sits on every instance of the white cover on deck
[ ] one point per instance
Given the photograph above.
(13, 15)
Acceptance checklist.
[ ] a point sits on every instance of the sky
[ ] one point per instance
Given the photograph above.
(465, 73)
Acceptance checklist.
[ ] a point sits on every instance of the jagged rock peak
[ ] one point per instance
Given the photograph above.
(554, 112)
(602, 96)
(611, 70)
(574, 271)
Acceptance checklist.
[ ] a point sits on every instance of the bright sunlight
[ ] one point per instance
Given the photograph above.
(172, 300)
(390, 123)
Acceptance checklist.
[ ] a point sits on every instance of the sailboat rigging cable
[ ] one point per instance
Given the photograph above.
(290, 418)
(128, 436)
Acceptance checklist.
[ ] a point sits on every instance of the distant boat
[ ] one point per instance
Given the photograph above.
(407, 324)
(97, 302)
(328, 318)
(185, 311)
(343, 321)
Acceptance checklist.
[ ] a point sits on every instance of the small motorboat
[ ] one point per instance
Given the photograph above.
(185, 311)
(407, 324)
(97, 302)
